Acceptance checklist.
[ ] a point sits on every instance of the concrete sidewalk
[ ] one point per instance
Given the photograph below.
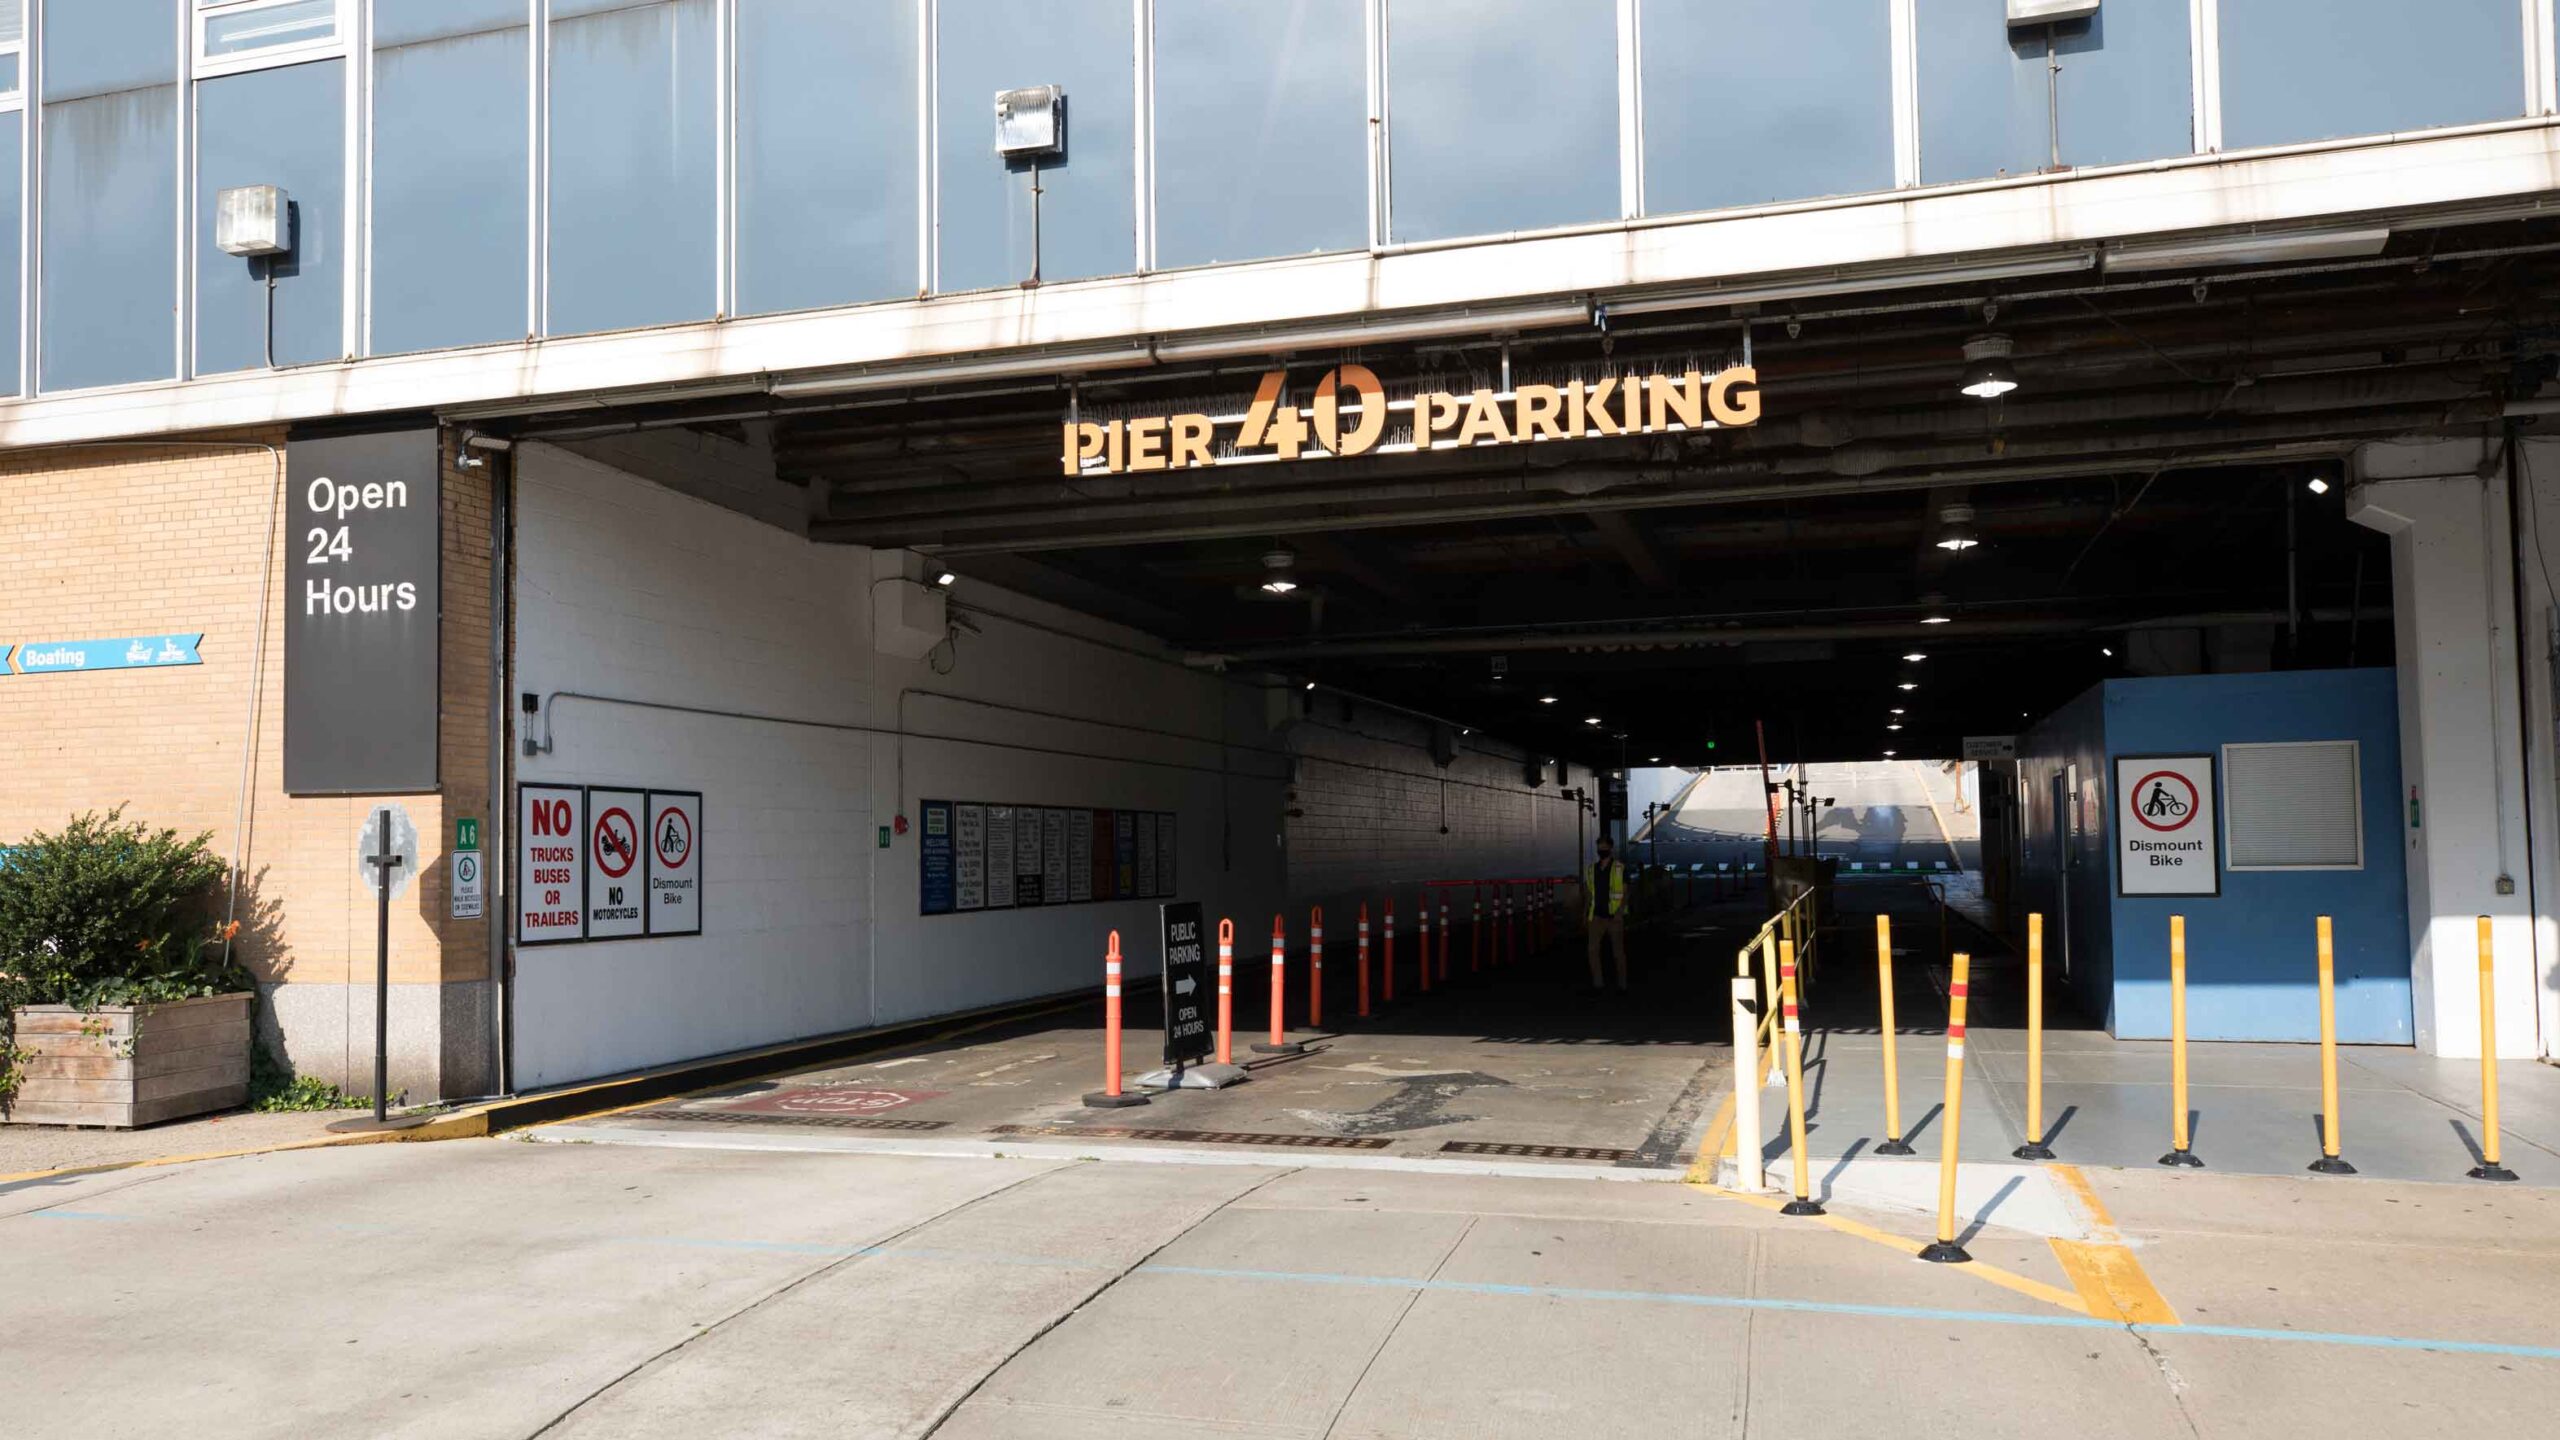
(491, 1288)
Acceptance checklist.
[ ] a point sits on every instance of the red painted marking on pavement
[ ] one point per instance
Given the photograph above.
(830, 1100)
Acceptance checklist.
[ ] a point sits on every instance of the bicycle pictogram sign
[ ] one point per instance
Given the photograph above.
(2164, 800)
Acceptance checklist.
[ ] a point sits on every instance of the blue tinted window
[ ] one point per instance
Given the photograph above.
(1729, 118)
(12, 197)
(634, 127)
(2307, 70)
(2314, 69)
(110, 201)
(451, 151)
(2124, 90)
(827, 132)
(1503, 115)
(1262, 129)
(282, 127)
(1088, 211)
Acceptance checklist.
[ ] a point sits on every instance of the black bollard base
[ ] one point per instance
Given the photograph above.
(1894, 1147)
(1286, 1047)
(2033, 1150)
(1105, 1100)
(1946, 1252)
(1801, 1207)
(2330, 1165)
(2186, 1158)
(2491, 1172)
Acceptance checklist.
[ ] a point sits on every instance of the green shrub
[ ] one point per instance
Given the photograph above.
(108, 912)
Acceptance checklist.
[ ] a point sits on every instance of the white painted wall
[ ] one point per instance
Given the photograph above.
(2461, 738)
(627, 589)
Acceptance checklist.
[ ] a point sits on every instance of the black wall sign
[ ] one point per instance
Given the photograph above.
(362, 604)
(1189, 987)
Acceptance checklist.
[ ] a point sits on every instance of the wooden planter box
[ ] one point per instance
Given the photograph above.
(129, 1065)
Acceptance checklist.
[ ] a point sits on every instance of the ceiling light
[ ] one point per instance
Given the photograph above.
(1937, 619)
(1897, 709)
(945, 579)
(1311, 684)
(1888, 754)
(1910, 685)
(1958, 535)
(1653, 760)
(1893, 727)
(1988, 375)
(1280, 569)
(2107, 650)
(2319, 486)
(1590, 719)
(1915, 657)
(1546, 699)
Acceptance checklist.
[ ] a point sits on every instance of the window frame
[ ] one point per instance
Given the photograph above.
(2355, 792)
(209, 66)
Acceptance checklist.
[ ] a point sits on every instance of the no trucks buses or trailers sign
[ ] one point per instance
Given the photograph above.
(1189, 987)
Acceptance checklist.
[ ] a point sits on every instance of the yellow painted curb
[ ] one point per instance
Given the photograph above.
(2053, 1295)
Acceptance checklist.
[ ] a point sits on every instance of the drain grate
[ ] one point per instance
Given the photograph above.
(820, 1122)
(1198, 1137)
(1539, 1152)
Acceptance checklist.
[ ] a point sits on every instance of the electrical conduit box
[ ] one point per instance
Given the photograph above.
(908, 617)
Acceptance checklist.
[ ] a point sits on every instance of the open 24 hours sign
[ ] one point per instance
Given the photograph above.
(2166, 830)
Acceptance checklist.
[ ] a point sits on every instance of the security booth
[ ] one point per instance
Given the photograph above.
(2249, 804)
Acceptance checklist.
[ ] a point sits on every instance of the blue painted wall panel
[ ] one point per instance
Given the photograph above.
(2252, 965)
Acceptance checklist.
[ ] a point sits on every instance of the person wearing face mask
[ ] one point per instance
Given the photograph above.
(1604, 911)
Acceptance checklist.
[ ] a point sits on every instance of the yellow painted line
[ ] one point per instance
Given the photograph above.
(457, 1126)
(1717, 1144)
(2108, 1275)
(2006, 1279)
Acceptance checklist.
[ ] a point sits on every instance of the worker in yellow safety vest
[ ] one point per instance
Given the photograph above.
(1604, 911)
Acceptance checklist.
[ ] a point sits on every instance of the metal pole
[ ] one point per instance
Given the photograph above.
(2035, 1148)
(384, 862)
(2330, 1162)
(1747, 1173)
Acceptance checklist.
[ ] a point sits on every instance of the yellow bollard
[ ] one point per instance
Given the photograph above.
(2178, 1154)
(1893, 1144)
(2329, 1163)
(1803, 1203)
(2035, 1148)
(2489, 1168)
(1946, 1251)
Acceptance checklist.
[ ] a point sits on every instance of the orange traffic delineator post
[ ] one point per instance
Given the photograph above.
(1424, 921)
(1803, 1203)
(1279, 1043)
(1111, 1096)
(1945, 1250)
(1893, 1144)
(1364, 960)
(1387, 991)
(1315, 968)
(1444, 939)
(2489, 1168)
(1226, 992)
(2329, 1163)
(2035, 1148)
(2178, 1154)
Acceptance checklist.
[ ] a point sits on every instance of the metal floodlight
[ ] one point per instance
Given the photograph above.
(1031, 123)
(253, 220)
(1988, 375)
(2049, 12)
(2319, 486)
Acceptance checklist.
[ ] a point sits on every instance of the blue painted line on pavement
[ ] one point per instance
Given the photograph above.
(74, 1215)
(1888, 1312)
(893, 1252)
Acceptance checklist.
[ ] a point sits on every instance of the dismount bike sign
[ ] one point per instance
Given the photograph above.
(2167, 841)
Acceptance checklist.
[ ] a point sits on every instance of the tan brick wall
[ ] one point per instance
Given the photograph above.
(175, 539)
